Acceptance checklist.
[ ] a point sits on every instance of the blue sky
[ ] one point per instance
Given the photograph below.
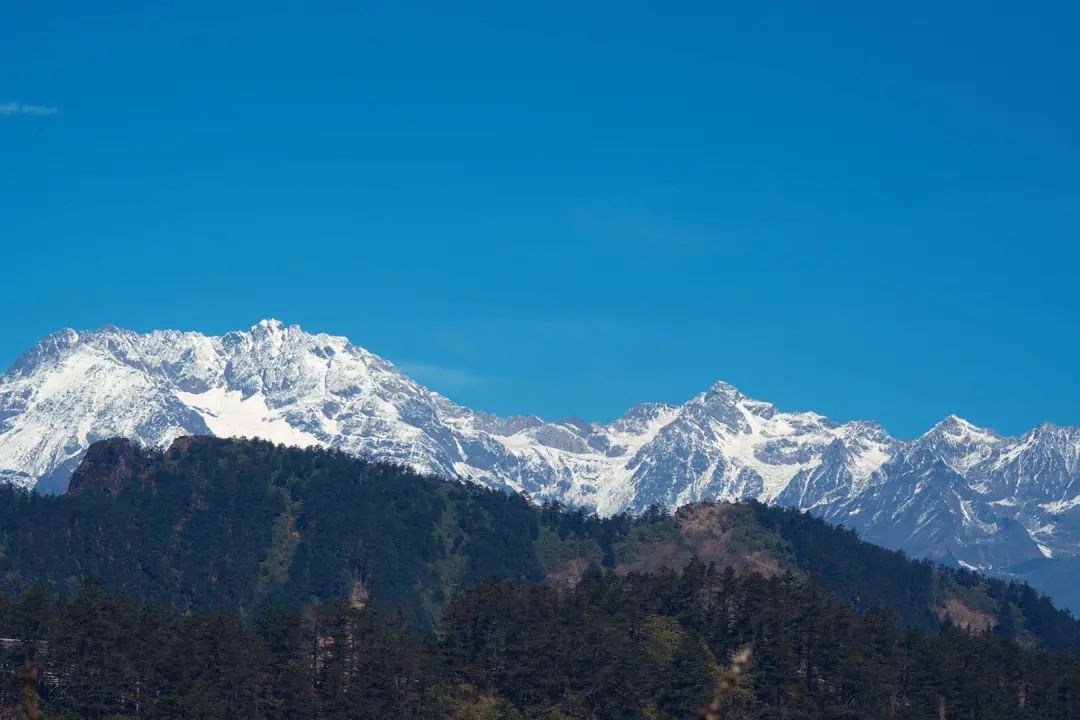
(571, 207)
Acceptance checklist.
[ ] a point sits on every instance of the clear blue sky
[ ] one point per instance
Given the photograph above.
(570, 208)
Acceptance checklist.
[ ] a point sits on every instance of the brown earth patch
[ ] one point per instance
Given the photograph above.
(108, 467)
(180, 446)
(705, 518)
(653, 556)
(960, 614)
(710, 534)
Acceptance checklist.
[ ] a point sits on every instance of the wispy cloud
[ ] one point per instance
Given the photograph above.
(18, 108)
(441, 377)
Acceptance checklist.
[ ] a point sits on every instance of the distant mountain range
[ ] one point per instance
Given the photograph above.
(959, 494)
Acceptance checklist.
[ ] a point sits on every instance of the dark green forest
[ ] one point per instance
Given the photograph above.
(647, 645)
(236, 578)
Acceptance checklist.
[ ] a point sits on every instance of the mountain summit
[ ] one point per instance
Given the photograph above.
(959, 493)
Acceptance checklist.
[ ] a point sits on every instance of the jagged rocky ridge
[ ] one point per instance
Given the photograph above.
(959, 493)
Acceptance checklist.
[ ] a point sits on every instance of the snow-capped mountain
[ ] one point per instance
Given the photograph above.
(286, 385)
(958, 493)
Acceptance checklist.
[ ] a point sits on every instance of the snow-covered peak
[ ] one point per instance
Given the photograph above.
(52, 346)
(279, 382)
(866, 429)
(282, 383)
(1066, 435)
(958, 443)
(724, 389)
(272, 325)
(957, 429)
(639, 417)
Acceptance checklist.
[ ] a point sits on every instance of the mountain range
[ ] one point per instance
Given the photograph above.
(233, 578)
(959, 494)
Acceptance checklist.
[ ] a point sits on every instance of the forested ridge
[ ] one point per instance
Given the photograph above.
(236, 578)
(613, 647)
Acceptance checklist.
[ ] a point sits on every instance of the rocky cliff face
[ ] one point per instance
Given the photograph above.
(107, 467)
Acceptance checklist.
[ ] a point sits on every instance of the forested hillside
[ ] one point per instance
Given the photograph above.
(239, 579)
(644, 646)
(234, 525)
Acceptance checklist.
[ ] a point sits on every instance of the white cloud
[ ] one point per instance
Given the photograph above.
(18, 108)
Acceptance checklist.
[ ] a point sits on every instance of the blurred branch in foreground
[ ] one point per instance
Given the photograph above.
(728, 685)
